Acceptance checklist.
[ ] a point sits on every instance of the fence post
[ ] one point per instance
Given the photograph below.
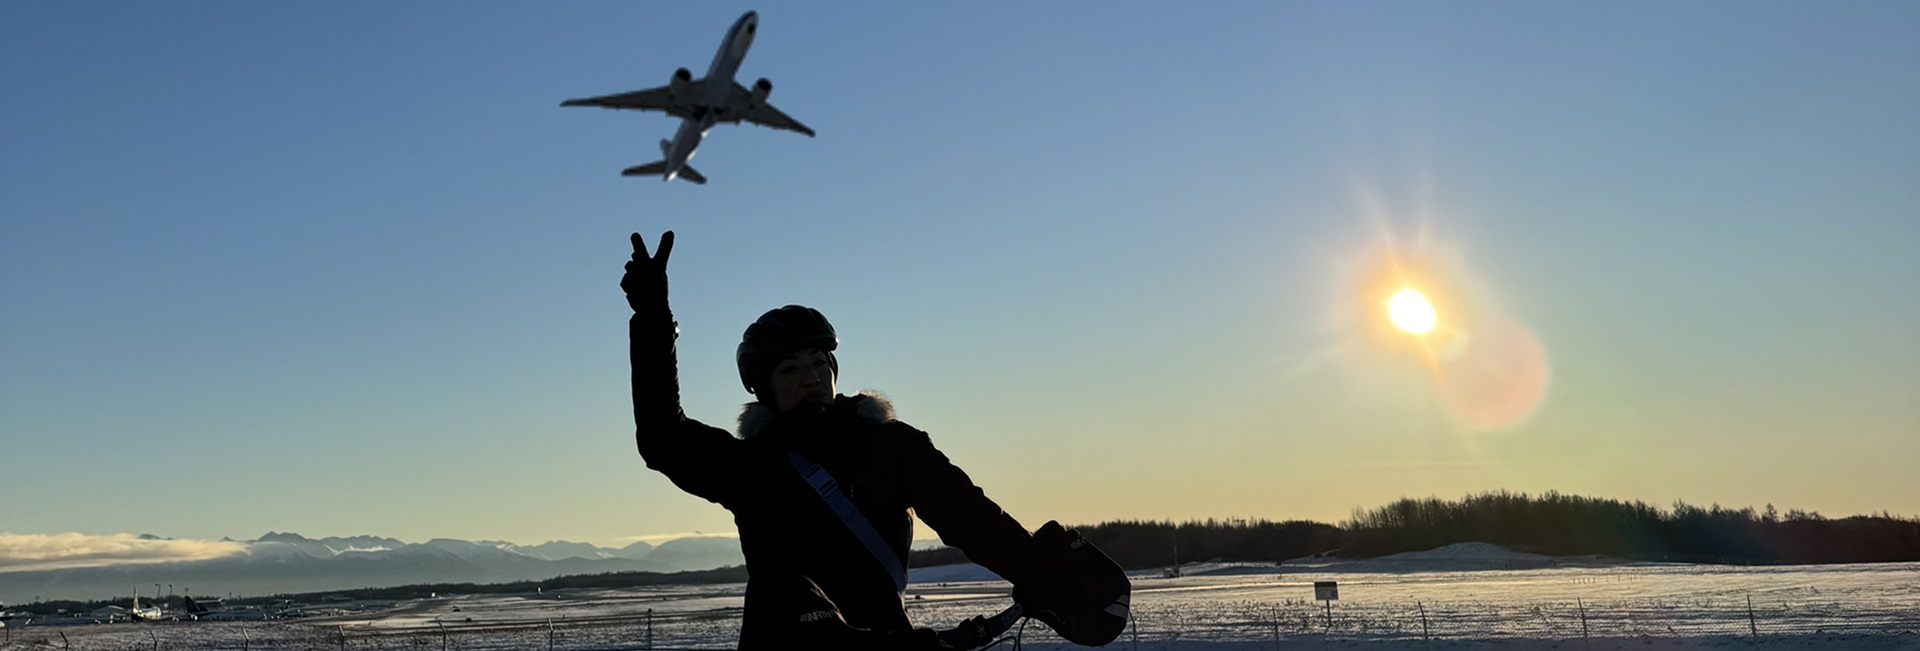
(1753, 626)
(343, 637)
(549, 634)
(1583, 617)
(1276, 624)
(155, 638)
(1134, 623)
(1425, 633)
(246, 640)
(63, 641)
(649, 629)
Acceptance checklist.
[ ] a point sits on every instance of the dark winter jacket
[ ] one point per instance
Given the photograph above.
(807, 572)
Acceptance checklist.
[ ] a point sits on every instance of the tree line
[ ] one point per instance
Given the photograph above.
(1572, 525)
(729, 574)
(1553, 524)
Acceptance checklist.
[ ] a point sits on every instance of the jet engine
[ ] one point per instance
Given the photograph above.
(760, 91)
(682, 78)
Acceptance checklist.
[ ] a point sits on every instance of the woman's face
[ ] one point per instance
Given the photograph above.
(801, 377)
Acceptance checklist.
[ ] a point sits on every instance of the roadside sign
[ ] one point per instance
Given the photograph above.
(1326, 590)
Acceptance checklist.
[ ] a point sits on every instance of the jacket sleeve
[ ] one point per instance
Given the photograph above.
(945, 498)
(702, 460)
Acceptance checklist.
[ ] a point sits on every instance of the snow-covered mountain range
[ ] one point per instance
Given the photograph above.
(291, 563)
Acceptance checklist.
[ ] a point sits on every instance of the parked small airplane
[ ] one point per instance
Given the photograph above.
(700, 104)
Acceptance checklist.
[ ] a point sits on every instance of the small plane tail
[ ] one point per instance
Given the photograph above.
(659, 168)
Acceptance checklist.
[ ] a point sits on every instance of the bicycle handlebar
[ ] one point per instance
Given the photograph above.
(978, 632)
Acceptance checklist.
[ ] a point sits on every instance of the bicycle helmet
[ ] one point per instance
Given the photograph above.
(779, 333)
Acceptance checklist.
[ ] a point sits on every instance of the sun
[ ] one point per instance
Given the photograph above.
(1411, 312)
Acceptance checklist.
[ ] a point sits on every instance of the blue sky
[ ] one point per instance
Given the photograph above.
(344, 269)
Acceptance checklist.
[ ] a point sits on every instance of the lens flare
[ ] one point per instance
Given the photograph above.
(1499, 378)
(1489, 369)
(1411, 312)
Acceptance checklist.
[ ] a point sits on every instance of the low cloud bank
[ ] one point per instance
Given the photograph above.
(656, 539)
(28, 552)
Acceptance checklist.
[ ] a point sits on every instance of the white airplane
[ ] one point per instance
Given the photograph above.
(700, 104)
(139, 614)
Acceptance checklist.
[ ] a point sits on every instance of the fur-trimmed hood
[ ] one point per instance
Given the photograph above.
(872, 406)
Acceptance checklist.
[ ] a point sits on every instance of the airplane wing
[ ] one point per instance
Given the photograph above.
(655, 168)
(652, 99)
(742, 110)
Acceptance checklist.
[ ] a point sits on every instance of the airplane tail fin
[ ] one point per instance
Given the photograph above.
(659, 168)
(665, 146)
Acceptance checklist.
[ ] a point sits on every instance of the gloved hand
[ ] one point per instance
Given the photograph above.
(646, 279)
(1077, 590)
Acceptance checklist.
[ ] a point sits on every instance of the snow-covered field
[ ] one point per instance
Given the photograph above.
(1457, 597)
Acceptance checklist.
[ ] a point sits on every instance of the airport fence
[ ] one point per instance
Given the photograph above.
(641, 632)
(1246, 621)
(1158, 624)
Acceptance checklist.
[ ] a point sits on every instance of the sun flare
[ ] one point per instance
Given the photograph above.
(1411, 312)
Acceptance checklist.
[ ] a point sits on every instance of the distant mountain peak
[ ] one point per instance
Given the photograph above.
(283, 561)
(554, 550)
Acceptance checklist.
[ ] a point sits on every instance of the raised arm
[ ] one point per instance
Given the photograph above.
(699, 459)
(650, 337)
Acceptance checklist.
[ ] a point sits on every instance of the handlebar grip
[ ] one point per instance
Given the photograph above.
(977, 632)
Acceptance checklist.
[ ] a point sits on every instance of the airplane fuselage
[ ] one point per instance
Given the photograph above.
(733, 50)
(685, 141)
(719, 82)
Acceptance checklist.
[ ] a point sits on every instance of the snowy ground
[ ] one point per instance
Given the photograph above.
(1455, 598)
